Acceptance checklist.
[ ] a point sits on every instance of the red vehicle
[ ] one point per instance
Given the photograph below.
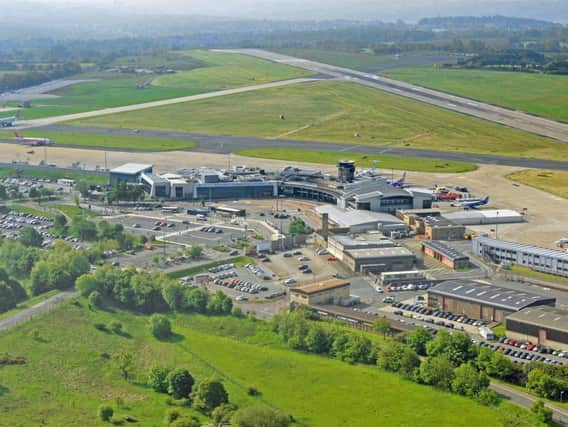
(158, 223)
(332, 258)
(512, 342)
(447, 196)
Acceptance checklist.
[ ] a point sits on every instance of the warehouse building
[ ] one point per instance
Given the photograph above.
(379, 260)
(540, 259)
(330, 291)
(482, 302)
(339, 243)
(129, 172)
(445, 254)
(414, 218)
(547, 326)
(484, 217)
(353, 221)
(439, 228)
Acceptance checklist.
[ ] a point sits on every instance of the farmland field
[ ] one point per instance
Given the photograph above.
(214, 71)
(554, 182)
(339, 112)
(540, 94)
(67, 375)
(364, 161)
(134, 143)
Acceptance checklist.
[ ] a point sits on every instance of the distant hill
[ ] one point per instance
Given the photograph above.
(479, 22)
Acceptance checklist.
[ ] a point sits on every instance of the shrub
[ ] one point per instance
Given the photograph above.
(160, 326)
(101, 327)
(180, 383)
(105, 412)
(115, 326)
(158, 379)
(95, 299)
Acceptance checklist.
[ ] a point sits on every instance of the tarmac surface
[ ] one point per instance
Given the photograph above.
(226, 144)
(508, 117)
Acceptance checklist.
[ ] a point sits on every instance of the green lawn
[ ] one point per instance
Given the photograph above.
(215, 71)
(363, 160)
(122, 142)
(66, 377)
(52, 174)
(541, 94)
(239, 261)
(72, 211)
(342, 112)
(228, 70)
(554, 182)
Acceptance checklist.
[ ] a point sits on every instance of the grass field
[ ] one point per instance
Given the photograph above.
(541, 94)
(338, 111)
(72, 211)
(365, 161)
(554, 182)
(340, 58)
(216, 71)
(525, 271)
(47, 173)
(228, 70)
(111, 142)
(65, 378)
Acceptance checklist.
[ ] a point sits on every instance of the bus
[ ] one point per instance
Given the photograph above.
(170, 210)
(225, 210)
(392, 277)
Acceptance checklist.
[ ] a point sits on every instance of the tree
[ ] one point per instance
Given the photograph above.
(317, 340)
(124, 362)
(105, 412)
(297, 226)
(158, 379)
(437, 371)
(542, 384)
(381, 326)
(86, 284)
(30, 237)
(180, 383)
(195, 251)
(95, 299)
(418, 339)
(83, 229)
(396, 357)
(160, 326)
(83, 187)
(173, 294)
(260, 416)
(59, 224)
(220, 303)
(196, 299)
(209, 394)
(223, 413)
(468, 381)
(186, 421)
(543, 413)
(457, 347)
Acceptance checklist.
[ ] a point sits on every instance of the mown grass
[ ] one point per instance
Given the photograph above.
(113, 142)
(72, 210)
(238, 261)
(339, 112)
(214, 71)
(228, 70)
(541, 94)
(66, 376)
(553, 182)
(363, 160)
(51, 174)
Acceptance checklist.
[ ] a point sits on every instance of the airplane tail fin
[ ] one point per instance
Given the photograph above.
(486, 200)
(17, 115)
(17, 134)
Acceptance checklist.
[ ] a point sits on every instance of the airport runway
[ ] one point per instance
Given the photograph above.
(512, 118)
(224, 144)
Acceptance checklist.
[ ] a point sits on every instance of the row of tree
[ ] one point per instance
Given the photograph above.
(13, 81)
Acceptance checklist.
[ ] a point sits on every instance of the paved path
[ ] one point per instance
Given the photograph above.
(225, 144)
(26, 124)
(494, 113)
(526, 400)
(42, 307)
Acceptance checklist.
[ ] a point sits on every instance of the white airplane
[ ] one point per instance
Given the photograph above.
(34, 142)
(7, 122)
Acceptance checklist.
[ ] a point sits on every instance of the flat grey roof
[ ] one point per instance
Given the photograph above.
(439, 221)
(374, 185)
(488, 213)
(397, 251)
(522, 247)
(349, 241)
(131, 168)
(543, 316)
(444, 249)
(507, 299)
(346, 218)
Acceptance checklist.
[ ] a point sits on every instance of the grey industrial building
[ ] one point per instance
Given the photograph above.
(547, 326)
(378, 260)
(129, 172)
(483, 302)
(355, 221)
(338, 244)
(540, 259)
(445, 254)
(483, 217)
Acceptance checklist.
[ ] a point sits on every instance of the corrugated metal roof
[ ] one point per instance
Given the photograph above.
(544, 317)
(397, 251)
(522, 247)
(346, 218)
(324, 285)
(131, 168)
(444, 249)
(508, 299)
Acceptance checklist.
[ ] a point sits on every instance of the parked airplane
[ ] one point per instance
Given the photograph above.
(398, 182)
(34, 142)
(7, 122)
(474, 204)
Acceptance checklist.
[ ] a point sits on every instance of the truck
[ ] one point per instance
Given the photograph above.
(486, 333)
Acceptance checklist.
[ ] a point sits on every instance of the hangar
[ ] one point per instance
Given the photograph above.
(544, 325)
(482, 302)
(129, 172)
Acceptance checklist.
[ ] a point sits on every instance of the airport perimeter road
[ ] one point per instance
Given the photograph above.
(225, 144)
(39, 308)
(512, 118)
(25, 124)
(524, 399)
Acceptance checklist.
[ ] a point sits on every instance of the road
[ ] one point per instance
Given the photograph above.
(225, 144)
(512, 118)
(26, 124)
(37, 309)
(524, 399)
